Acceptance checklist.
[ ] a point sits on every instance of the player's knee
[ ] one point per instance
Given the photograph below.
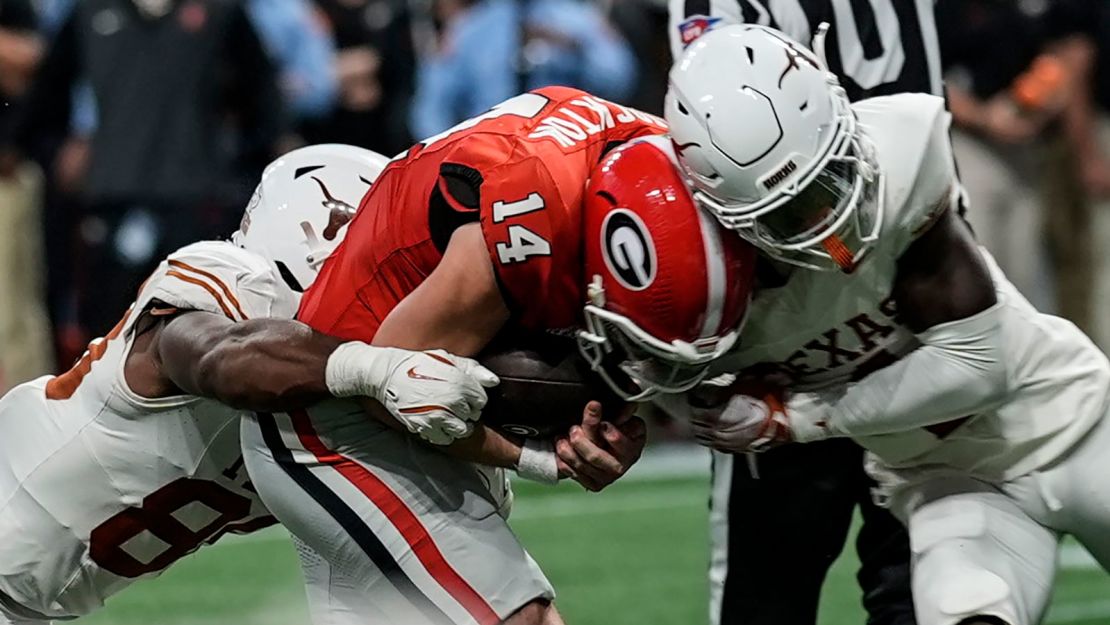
(969, 597)
(959, 576)
(536, 612)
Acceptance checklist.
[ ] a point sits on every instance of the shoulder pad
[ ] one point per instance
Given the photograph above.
(221, 278)
(910, 135)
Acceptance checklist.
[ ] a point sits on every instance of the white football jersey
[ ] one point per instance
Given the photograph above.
(100, 487)
(824, 330)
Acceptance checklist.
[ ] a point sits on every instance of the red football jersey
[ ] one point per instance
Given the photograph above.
(520, 170)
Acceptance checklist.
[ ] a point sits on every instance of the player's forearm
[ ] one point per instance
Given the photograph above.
(486, 446)
(960, 370)
(265, 365)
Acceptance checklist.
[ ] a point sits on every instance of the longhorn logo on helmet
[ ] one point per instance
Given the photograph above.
(628, 250)
(341, 212)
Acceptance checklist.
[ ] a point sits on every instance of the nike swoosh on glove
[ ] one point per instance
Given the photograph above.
(436, 395)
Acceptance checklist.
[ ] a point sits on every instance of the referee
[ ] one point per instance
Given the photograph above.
(779, 521)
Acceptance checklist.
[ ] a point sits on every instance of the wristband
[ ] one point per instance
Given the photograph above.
(347, 370)
(807, 418)
(538, 462)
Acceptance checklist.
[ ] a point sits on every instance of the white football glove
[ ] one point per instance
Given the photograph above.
(743, 424)
(435, 395)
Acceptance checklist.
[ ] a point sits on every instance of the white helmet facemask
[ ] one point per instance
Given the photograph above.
(649, 366)
(826, 220)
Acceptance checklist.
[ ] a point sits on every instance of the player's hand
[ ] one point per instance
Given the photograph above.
(435, 395)
(743, 424)
(597, 453)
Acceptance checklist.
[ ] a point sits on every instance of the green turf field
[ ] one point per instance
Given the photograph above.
(633, 555)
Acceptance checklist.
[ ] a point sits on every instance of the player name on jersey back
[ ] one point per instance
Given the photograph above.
(585, 117)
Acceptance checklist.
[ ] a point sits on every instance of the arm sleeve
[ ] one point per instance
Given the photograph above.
(959, 370)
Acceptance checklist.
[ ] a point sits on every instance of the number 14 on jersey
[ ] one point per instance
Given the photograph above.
(523, 243)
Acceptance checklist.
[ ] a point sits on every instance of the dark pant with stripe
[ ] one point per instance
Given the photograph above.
(782, 521)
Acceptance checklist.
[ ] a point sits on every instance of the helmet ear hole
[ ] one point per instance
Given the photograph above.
(287, 276)
(682, 107)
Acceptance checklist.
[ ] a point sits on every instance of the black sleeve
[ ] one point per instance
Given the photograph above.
(253, 89)
(17, 15)
(45, 109)
(455, 201)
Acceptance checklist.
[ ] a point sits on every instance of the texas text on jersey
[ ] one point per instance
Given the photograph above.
(520, 170)
(876, 48)
(159, 478)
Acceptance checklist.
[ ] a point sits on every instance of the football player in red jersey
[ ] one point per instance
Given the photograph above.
(529, 217)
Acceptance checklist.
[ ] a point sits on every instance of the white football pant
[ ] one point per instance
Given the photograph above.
(983, 549)
(389, 529)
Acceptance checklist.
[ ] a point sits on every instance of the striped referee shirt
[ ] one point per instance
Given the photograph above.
(876, 47)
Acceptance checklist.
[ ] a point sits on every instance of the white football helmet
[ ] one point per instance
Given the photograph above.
(770, 145)
(299, 212)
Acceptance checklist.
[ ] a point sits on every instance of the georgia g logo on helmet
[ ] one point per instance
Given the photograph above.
(628, 250)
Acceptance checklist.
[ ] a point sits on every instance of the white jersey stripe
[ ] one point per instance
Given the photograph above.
(211, 283)
(198, 281)
(715, 270)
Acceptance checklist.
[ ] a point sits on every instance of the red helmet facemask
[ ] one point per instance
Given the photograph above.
(668, 287)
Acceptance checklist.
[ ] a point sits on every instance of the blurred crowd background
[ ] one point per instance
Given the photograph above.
(131, 127)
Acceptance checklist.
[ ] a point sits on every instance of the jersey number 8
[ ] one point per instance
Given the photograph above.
(114, 543)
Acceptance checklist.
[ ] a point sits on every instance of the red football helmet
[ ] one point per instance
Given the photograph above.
(668, 286)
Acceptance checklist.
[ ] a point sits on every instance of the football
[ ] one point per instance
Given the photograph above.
(545, 385)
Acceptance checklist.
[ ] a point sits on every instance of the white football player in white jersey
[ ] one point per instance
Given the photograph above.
(130, 461)
(883, 321)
